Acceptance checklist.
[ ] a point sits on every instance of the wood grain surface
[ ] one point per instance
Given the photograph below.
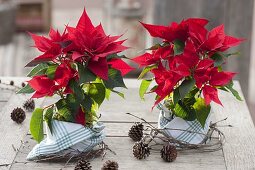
(237, 153)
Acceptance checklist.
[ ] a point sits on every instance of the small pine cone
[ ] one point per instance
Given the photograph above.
(110, 165)
(83, 164)
(11, 83)
(136, 132)
(168, 153)
(29, 105)
(18, 115)
(141, 150)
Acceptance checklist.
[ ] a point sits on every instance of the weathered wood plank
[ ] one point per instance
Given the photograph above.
(9, 60)
(5, 95)
(238, 26)
(240, 139)
(21, 45)
(123, 147)
(11, 133)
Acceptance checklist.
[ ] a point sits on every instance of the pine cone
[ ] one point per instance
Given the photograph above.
(141, 150)
(29, 105)
(168, 153)
(11, 83)
(83, 164)
(18, 115)
(136, 132)
(110, 165)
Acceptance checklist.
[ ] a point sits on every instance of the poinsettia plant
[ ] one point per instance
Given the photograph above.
(82, 66)
(187, 67)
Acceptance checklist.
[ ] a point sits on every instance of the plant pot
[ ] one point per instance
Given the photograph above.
(7, 20)
(67, 137)
(187, 131)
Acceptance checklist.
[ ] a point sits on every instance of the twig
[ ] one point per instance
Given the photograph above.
(159, 134)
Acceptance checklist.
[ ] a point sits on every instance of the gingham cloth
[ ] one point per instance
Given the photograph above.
(68, 136)
(167, 120)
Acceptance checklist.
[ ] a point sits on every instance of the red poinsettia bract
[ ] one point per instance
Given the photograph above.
(91, 44)
(84, 43)
(185, 53)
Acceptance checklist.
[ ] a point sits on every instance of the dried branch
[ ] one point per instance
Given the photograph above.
(210, 143)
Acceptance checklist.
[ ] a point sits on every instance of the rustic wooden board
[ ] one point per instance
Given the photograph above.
(12, 134)
(237, 152)
(123, 148)
(240, 139)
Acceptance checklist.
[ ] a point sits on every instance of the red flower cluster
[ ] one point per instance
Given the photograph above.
(187, 52)
(81, 44)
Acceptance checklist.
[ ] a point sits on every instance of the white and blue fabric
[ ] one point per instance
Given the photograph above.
(68, 136)
(179, 128)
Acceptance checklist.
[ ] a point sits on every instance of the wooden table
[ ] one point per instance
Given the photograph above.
(237, 153)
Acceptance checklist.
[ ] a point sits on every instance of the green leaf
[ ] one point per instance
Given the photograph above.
(146, 70)
(154, 47)
(186, 87)
(51, 71)
(202, 111)
(223, 88)
(87, 103)
(180, 111)
(157, 46)
(230, 54)
(107, 93)
(119, 93)
(72, 103)
(144, 87)
(40, 69)
(218, 58)
(97, 92)
(114, 79)
(78, 92)
(233, 91)
(115, 56)
(184, 110)
(85, 74)
(188, 103)
(192, 93)
(64, 110)
(36, 125)
(176, 96)
(26, 89)
(178, 47)
(48, 117)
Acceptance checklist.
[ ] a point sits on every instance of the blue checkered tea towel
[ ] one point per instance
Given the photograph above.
(68, 136)
(169, 122)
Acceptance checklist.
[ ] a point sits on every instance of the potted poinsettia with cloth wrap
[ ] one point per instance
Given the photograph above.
(82, 67)
(187, 69)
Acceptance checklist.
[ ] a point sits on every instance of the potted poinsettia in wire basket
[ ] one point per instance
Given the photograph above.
(82, 67)
(187, 68)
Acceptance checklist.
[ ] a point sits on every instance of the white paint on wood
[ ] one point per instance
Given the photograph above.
(11, 133)
(239, 149)
(251, 93)
(123, 148)
(9, 60)
(20, 54)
